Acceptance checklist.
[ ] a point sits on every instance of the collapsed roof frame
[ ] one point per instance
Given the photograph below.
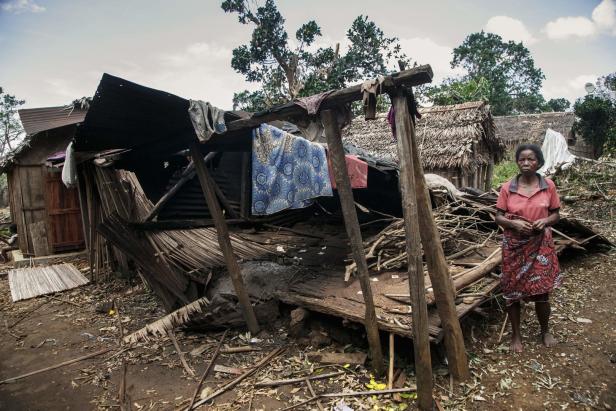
(167, 128)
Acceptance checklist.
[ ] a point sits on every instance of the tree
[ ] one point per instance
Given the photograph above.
(11, 129)
(456, 91)
(509, 69)
(288, 69)
(596, 122)
(558, 104)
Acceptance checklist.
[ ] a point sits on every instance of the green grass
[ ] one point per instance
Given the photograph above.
(503, 172)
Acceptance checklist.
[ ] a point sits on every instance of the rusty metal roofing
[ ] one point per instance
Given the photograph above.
(36, 120)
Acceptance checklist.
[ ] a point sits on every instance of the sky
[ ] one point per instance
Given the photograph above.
(52, 52)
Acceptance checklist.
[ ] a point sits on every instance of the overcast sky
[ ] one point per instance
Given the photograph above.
(55, 51)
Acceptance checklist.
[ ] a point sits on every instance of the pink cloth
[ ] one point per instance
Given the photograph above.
(357, 170)
(538, 205)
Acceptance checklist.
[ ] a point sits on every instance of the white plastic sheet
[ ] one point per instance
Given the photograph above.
(555, 152)
(69, 171)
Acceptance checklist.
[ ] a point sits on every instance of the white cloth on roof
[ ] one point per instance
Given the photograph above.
(69, 171)
(206, 119)
(555, 152)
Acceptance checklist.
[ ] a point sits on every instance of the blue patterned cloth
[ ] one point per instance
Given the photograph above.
(287, 171)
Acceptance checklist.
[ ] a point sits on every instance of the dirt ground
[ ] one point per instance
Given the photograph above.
(579, 373)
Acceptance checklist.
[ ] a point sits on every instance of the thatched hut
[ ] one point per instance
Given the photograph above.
(457, 142)
(531, 128)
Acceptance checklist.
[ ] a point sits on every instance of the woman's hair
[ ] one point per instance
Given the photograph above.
(532, 147)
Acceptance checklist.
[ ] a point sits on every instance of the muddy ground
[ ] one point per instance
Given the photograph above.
(579, 373)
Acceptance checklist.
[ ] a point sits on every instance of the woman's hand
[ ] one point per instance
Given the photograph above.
(540, 224)
(521, 226)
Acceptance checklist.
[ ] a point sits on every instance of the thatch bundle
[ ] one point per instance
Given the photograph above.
(459, 136)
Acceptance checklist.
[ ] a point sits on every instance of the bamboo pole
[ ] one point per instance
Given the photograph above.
(224, 241)
(438, 269)
(343, 184)
(421, 342)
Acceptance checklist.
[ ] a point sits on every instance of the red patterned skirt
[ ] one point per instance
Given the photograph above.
(530, 265)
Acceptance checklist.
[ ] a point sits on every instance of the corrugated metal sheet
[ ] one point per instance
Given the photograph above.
(36, 120)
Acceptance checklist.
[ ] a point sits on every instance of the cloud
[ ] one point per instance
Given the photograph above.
(509, 29)
(603, 20)
(424, 50)
(21, 6)
(570, 89)
(604, 16)
(565, 27)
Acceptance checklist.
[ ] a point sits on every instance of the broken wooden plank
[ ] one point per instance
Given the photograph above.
(339, 358)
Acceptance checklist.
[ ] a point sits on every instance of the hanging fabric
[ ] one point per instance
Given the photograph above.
(206, 119)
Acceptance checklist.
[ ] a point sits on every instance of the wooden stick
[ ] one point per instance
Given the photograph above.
(421, 339)
(25, 315)
(233, 350)
(438, 269)
(124, 405)
(63, 301)
(224, 241)
(313, 394)
(350, 394)
(500, 335)
(242, 377)
(120, 328)
(343, 184)
(390, 378)
(292, 230)
(180, 354)
(207, 370)
(296, 380)
(53, 367)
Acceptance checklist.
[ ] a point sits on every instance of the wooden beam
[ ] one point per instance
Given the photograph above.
(413, 77)
(438, 270)
(224, 241)
(187, 175)
(421, 339)
(343, 184)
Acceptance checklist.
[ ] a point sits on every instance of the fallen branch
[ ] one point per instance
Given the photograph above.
(53, 367)
(296, 380)
(351, 394)
(180, 354)
(24, 316)
(207, 370)
(239, 379)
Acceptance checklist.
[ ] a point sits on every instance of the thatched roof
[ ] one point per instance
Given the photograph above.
(448, 136)
(531, 128)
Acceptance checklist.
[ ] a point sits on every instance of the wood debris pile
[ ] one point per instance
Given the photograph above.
(468, 232)
(587, 180)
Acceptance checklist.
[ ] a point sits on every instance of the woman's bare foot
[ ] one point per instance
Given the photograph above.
(516, 344)
(548, 339)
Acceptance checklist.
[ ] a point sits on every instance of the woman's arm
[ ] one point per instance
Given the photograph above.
(550, 220)
(520, 226)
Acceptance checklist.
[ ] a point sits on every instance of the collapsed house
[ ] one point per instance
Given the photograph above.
(46, 213)
(457, 142)
(177, 210)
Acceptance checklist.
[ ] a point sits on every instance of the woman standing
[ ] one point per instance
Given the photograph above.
(527, 206)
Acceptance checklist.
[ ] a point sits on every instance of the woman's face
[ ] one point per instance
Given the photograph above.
(527, 162)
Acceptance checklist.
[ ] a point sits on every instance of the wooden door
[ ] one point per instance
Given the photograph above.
(64, 215)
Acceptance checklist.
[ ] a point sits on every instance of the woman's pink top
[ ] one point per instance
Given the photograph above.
(533, 207)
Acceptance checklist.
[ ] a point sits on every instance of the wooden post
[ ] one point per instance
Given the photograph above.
(438, 270)
(224, 240)
(343, 184)
(421, 342)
